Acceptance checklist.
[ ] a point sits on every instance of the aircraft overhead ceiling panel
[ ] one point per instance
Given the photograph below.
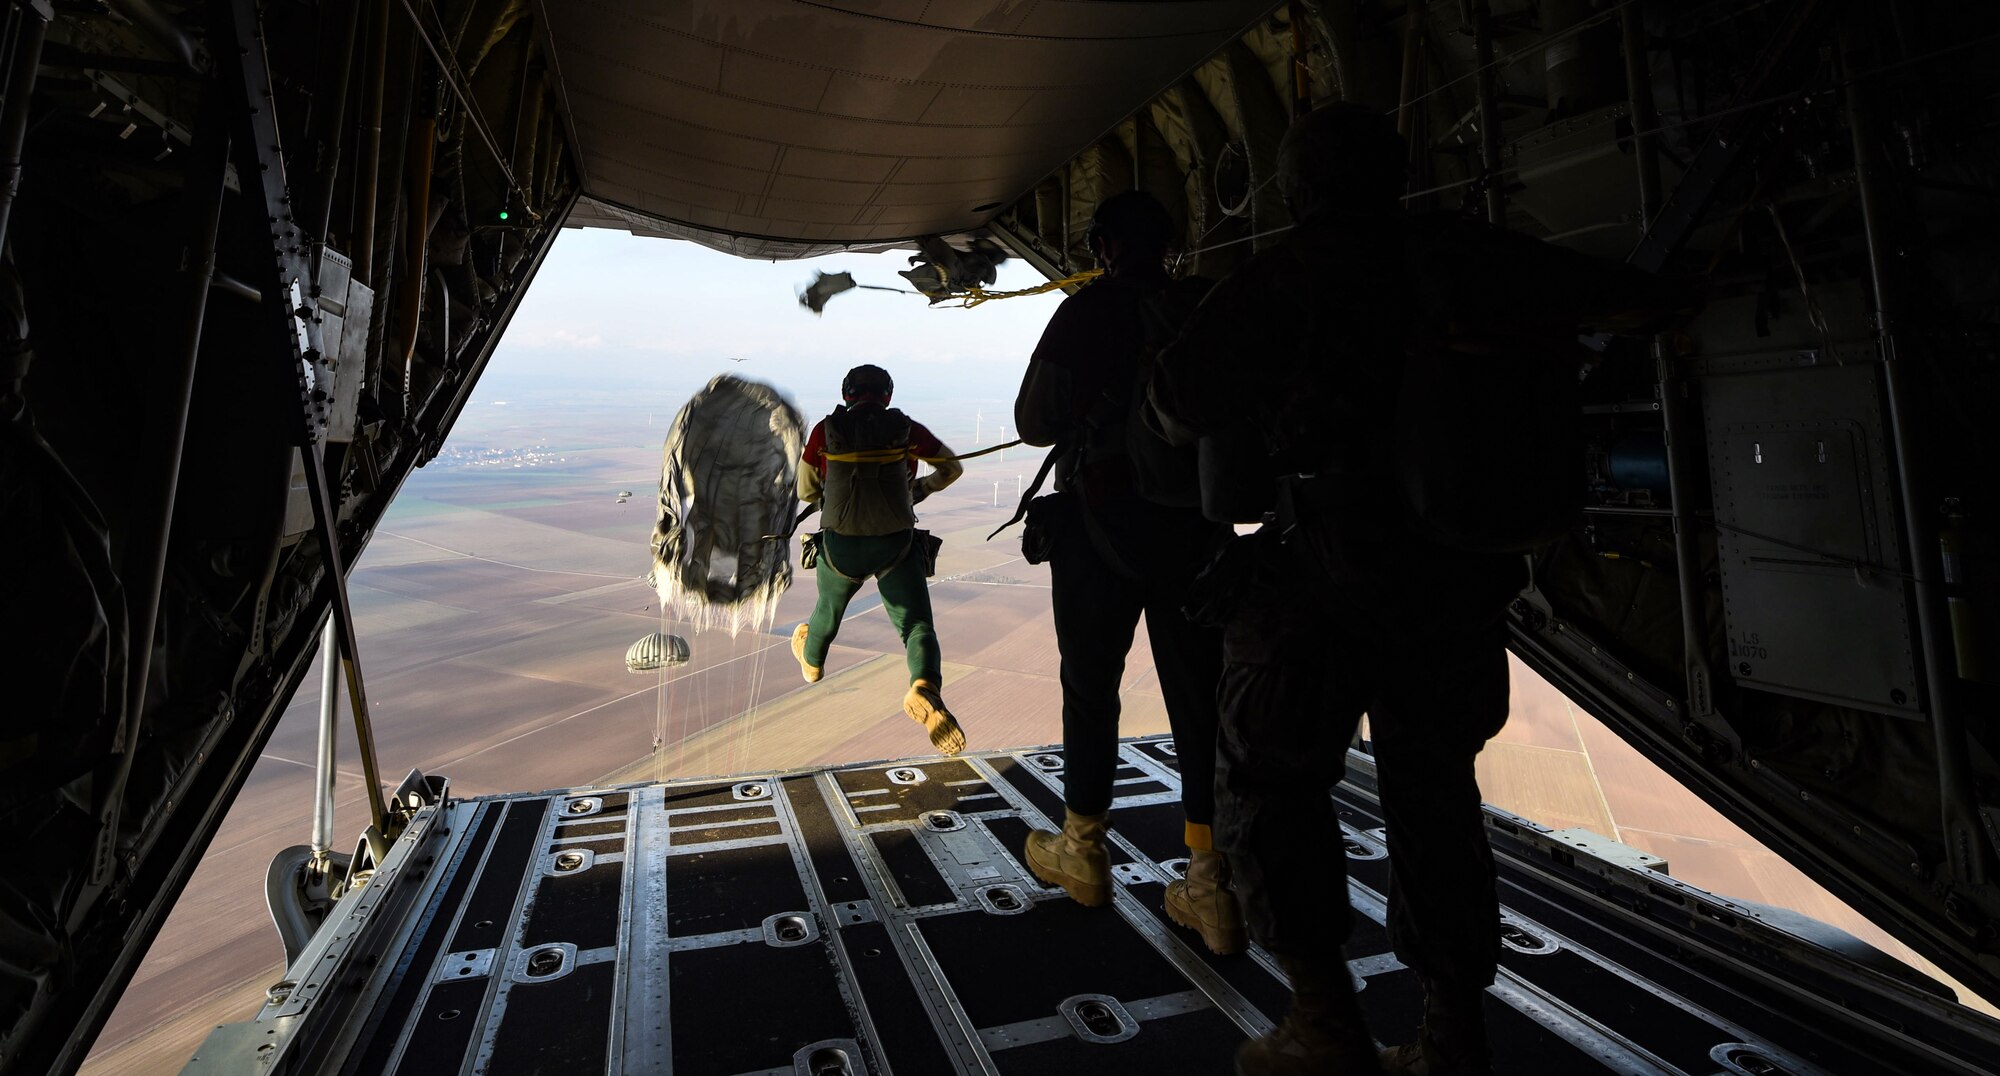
(787, 128)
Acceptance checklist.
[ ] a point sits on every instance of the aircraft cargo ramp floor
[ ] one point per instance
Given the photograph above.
(876, 918)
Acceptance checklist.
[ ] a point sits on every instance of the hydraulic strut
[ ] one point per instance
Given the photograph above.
(294, 328)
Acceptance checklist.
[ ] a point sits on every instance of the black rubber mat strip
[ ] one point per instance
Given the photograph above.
(915, 874)
(485, 924)
(443, 1030)
(711, 892)
(558, 1026)
(1010, 968)
(415, 966)
(579, 908)
(903, 1026)
(749, 1008)
(832, 864)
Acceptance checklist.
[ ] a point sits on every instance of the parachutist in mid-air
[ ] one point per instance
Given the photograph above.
(860, 468)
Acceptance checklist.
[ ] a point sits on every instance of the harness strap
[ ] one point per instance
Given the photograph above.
(897, 455)
(872, 455)
(1048, 462)
(827, 559)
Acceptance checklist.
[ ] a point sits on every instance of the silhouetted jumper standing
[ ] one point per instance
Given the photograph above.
(1347, 601)
(1127, 542)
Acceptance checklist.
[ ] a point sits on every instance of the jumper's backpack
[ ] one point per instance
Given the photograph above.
(1161, 472)
(1485, 449)
(867, 471)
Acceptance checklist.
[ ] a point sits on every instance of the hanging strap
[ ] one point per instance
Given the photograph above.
(1056, 452)
(794, 528)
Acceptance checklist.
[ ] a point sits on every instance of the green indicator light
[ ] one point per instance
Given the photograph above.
(503, 214)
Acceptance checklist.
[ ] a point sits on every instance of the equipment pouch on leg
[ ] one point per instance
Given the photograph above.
(1047, 518)
(927, 546)
(809, 550)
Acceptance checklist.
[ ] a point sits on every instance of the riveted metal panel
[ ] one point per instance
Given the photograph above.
(1814, 587)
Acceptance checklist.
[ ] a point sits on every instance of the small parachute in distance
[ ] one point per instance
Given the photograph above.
(728, 476)
(656, 650)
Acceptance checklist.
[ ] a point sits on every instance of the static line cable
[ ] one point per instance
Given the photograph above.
(1793, 95)
(1236, 242)
(1517, 55)
(454, 78)
(1814, 314)
(974, 294)
(1227, 217)
(1818, 319)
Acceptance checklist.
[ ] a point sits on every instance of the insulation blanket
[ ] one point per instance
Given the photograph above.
(728, 478)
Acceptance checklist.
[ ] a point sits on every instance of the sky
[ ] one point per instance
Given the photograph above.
(614, 314)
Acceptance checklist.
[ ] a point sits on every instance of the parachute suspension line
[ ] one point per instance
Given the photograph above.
(755, 676)
(732, 760)
(769, 632)
(660, 710)
(701, 722)
(759, 669)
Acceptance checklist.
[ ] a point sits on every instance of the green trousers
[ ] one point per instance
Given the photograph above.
(847, 561)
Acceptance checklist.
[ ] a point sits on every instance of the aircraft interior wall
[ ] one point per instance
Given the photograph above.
(195, 305)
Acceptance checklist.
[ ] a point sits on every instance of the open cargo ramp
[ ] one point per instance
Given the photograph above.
(876, 918)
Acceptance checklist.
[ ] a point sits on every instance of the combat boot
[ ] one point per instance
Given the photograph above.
(1201, 900)
(926, 707)
(1074, 859)
(1452, 1042)
(1324, 1032)
(812, 672)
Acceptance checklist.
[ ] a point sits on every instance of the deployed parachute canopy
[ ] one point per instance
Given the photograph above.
(656, 650)
(727, 479)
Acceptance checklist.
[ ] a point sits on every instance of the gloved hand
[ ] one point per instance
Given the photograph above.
(1237, 577)
(918, 491)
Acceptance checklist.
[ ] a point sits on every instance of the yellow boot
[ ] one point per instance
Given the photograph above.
(1074, 859)
(1201, 901)
(926, 707)
(812, 672)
